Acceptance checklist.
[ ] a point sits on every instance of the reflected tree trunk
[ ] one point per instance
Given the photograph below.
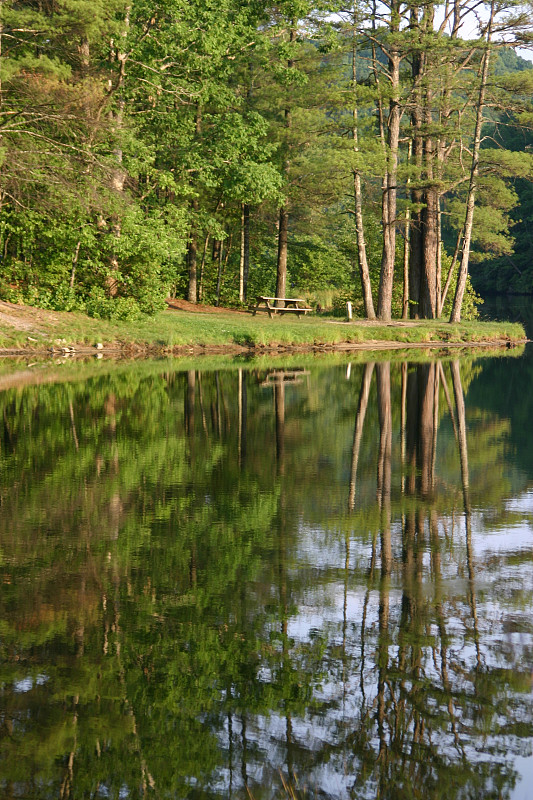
(244, 750)
(358, 431)
(465, 481)
(448, 400)
(202, 407)
(243, 414)
(384, 490)
(403, 424)
(461, 417)
(385, 437)
(279, 401)
(426, 387)
(230, 746)
(190, 402)
(218, 405)
(411, 439)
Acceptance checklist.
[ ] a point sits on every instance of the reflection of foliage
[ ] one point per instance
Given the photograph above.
(174, 547)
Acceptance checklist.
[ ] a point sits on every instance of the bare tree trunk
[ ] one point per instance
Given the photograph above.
(241, 261)
(474, 171)
(406, 245)
(202, 268)
(118, 178)
(222, 264)
(246, 266)
(364, 272)
(192, 253)
(428, 289)
(74, 264)
(438, 277)
(449, 277)
(219, 273)
(415, 249)
(1, 54)
(430, 219)
(390, 190)
(446, 112)
(281, 277)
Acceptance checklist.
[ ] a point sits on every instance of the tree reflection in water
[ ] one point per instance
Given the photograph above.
(210, 577)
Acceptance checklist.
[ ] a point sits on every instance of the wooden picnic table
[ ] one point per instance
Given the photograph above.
(295, 305)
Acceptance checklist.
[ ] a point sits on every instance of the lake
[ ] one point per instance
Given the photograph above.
(309, 577)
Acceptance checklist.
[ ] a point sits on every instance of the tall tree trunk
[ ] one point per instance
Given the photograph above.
(390, 187)
(430, 240)
(415, 244)
(74, 264)
(1, 55)
(281, 277)
(430, 217)
(445, 115)
(118, 177)
(407, 244)
(244, 264)
(192, 253)
(364, 272)
(241, 260)
(474, 171)
(202, 269)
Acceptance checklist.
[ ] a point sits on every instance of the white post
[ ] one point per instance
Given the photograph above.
(349, 311)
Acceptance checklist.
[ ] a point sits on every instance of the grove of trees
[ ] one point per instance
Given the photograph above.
(366, 150)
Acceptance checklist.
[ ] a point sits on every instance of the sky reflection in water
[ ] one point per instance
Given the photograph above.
(212, 579)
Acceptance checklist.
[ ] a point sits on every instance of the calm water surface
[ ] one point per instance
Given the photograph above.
(214, 582)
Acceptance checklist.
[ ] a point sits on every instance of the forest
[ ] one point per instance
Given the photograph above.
(378, 151)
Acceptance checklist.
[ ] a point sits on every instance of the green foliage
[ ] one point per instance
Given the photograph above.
(313, 265)
(130, 132)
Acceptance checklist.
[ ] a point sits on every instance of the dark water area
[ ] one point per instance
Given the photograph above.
(264, 581)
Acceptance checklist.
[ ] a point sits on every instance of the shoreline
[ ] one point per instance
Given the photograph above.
(134, 350)
(34, 332)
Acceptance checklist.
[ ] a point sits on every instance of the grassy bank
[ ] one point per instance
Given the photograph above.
(23, 328)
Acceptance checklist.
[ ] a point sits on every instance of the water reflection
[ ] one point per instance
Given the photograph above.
(211, 578)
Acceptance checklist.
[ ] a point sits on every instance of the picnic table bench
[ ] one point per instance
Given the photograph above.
(295, 305)
(279, 376)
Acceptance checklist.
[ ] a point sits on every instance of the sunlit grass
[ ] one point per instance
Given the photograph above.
(173, 328)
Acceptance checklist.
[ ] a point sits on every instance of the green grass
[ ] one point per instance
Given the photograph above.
(174, 329)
